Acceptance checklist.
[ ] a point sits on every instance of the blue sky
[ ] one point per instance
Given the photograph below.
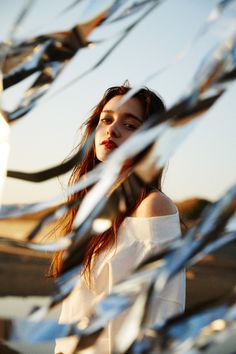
(204, 164)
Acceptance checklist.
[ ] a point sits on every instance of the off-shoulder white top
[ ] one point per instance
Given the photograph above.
(138, 238)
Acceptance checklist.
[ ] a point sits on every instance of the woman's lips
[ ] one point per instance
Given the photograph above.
(109, 144)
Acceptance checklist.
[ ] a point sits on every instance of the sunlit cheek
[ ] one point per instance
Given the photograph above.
(97, 137)
(99, 132)
(98, 147)
(127, 135)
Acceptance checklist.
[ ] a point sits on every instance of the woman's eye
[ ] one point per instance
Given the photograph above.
(131, 126)
(106, 120)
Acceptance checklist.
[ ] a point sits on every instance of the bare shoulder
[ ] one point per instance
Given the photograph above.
(155, 204)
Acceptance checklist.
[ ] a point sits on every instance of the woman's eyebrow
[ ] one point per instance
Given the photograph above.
(126, 114)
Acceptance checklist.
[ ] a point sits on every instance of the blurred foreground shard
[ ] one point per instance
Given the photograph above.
(47, 54)
(209, 323)
(4, 150)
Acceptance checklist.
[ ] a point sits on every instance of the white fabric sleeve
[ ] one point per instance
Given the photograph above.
(140, 238)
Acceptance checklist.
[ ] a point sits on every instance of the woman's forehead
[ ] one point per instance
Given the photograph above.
(132, 105)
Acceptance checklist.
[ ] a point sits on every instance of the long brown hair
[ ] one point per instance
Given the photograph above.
(151, 104)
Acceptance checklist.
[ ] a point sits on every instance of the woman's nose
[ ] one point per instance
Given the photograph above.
(113, 130)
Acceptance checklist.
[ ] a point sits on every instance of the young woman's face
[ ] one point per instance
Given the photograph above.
(116, 125)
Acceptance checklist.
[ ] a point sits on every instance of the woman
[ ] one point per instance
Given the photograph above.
(150, 221)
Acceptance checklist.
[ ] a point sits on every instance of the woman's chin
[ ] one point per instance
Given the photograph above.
(103, 157)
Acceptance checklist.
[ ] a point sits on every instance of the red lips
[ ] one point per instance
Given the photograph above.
(109, 144)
